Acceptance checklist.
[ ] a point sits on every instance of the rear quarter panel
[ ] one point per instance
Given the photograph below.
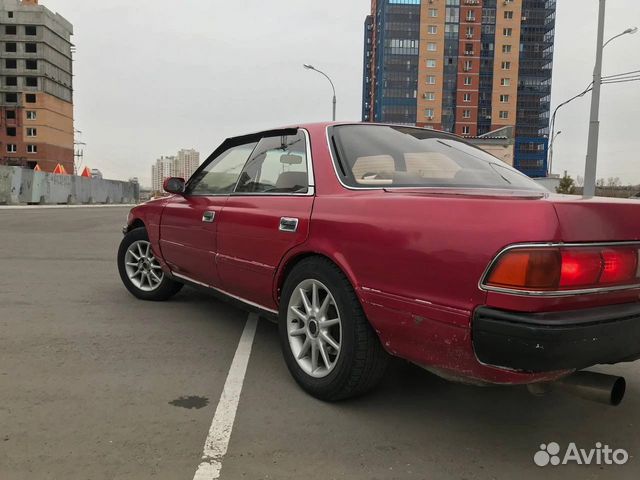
(430, 250)
(415, 262)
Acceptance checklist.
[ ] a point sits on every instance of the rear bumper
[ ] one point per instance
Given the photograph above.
(546, 342)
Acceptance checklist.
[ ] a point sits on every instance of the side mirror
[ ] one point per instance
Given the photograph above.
(174, 185)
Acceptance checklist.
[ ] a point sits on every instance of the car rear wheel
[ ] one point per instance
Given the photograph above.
(328, 344)
(140, 271)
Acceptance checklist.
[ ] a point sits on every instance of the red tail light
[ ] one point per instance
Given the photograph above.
(619, 265)
(580, 268)
(563, 269)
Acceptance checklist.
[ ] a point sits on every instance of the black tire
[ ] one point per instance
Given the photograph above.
(362, 361)
(167, 288)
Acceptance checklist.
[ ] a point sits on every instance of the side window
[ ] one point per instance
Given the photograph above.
(221, 175)
(278, 165)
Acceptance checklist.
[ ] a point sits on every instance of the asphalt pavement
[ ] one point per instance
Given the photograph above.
(95, 384)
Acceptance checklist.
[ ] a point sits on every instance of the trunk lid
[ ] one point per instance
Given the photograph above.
(597, 219)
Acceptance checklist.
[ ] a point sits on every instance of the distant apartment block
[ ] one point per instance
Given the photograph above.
(187, 162)
(183, 165)
(164, 168)
(471, 67)
(36, 87)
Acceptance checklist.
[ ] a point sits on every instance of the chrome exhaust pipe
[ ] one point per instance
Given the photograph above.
(597, 387)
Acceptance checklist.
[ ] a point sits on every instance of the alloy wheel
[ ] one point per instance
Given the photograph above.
(314, 328)
(142, 267)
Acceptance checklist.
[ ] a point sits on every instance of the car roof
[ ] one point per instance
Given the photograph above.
(324, 125)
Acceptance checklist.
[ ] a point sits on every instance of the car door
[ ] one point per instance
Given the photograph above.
(189, 221)
(267, 215)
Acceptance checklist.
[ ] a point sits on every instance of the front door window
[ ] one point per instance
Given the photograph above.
(221, 175)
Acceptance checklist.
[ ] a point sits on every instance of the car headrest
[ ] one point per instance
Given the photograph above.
(292, 180)
(374, 164)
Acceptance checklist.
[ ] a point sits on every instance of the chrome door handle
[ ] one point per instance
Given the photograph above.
(208, 217)
(289, 224)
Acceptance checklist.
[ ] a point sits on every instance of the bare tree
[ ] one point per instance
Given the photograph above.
(613, 182)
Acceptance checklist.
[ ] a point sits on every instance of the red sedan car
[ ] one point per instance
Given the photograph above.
(367, 240)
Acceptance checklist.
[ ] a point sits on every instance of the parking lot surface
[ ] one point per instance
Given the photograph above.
(95, 384)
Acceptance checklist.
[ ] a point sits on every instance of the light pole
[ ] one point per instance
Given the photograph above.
(594, 122)
(553, 139)
(628, 31)
(555, 113)
(335, 101)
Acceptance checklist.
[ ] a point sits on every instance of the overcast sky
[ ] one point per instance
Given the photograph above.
(154, 76)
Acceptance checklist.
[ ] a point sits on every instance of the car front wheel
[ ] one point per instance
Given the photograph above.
(328, 344)
(140, 271)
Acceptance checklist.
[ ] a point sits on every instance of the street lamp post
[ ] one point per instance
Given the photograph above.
(335, 101)
(589, 88)
(594, 123)
(628, 31)
(553, 139)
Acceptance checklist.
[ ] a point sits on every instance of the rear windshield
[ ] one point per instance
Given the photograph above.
(370, 156)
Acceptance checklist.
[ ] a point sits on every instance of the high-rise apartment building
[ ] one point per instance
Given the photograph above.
(182, 165)
(464, 66)
(36, 87)
(187, 162)
(164, 168)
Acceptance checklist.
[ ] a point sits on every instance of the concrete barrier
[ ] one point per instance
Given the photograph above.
(10, 184)
(19, 185)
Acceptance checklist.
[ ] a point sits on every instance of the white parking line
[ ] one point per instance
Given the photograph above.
(215, 447)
